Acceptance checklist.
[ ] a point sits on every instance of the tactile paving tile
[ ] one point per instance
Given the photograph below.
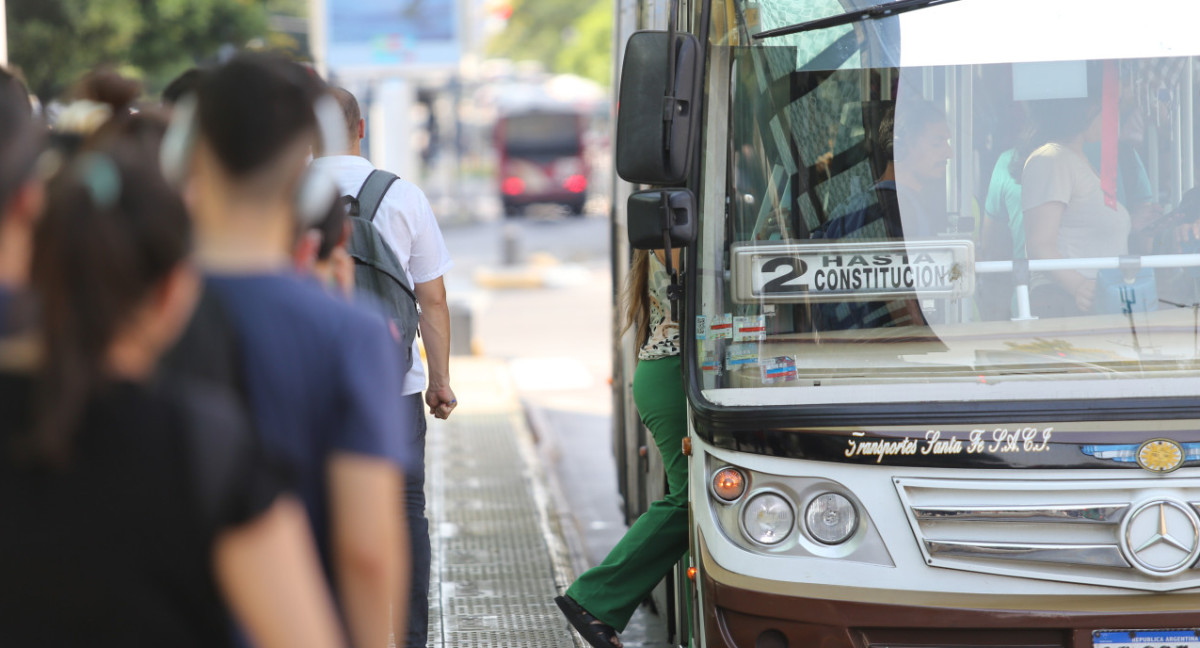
(498, 557)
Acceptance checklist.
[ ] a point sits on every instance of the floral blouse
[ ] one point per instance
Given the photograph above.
(664, 333)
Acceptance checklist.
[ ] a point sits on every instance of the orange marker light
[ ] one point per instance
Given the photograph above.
(691, 572)
(729, 484)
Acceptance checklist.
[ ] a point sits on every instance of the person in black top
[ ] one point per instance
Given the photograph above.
(137, 511)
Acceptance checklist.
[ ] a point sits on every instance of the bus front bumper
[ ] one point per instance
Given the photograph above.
(745, 612)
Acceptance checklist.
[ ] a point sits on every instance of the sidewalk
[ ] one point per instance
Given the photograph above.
(499, 553)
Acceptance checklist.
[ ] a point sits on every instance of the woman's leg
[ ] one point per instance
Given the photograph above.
(612, 590)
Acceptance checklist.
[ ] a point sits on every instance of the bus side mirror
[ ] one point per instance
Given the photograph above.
(658, 211)
(657, 125)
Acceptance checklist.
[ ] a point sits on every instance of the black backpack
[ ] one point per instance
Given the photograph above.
(377, 270)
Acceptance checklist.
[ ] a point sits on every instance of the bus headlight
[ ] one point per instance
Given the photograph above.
(831, 518)
(767, 518)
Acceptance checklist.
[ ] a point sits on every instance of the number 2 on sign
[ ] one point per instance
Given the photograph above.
(781, 284)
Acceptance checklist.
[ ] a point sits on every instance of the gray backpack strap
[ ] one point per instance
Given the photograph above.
(372, 192)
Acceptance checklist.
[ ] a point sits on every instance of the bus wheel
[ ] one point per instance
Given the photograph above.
(513, 211)
(575, 208)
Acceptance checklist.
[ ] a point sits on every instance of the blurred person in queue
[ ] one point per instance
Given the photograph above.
(139, 511)
(181, 86)
(21, 193)
(313, 366)
(1065, 212)
(321, 251)
(407, 225)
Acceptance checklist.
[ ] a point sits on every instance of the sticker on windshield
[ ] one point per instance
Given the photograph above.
(778, 369)
(711, 363)
(749, 328)
(851, 271)
(741, 355)
(720, 327)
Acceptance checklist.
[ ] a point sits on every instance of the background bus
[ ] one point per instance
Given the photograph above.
(542, 159)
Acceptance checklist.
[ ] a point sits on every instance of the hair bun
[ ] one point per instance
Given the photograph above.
(106, 85)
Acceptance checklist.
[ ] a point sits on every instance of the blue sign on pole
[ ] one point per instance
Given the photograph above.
(370, 35)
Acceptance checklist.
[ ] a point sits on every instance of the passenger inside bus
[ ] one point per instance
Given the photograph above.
(809, 163)
(1003, 233)
(905, 203)
(1067, 214)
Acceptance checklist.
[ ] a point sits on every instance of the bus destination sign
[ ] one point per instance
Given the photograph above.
(789, 271)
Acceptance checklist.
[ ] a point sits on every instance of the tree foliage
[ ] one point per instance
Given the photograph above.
(589, 52)
(564, 35)
(55, 41)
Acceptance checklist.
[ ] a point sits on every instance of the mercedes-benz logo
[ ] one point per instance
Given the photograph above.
(1161, 537)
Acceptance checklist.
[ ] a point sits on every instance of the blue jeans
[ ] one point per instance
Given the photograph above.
(413, 407)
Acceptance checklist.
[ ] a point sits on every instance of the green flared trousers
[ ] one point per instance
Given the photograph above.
(612, 590)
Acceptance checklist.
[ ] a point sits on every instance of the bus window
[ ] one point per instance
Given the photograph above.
(991, 222)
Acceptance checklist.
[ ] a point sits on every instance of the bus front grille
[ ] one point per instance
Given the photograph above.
(1130, 533)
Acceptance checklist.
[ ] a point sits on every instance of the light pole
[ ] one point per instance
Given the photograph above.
(3, 33)
(316, 35)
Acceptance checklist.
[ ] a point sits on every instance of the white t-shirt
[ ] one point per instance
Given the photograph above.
(407, 224)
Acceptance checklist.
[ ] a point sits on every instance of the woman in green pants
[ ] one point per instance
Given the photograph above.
(601, 601)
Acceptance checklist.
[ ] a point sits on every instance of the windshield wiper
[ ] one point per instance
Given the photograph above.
(870, 13)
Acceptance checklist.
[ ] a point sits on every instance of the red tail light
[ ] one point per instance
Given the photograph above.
(575, 183)
(512, 186)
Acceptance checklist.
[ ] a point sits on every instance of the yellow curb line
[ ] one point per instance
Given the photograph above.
(509, 279)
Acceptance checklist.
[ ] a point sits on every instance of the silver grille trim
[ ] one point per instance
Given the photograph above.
(1081, 513)
(1099, 555)
(1065, 530)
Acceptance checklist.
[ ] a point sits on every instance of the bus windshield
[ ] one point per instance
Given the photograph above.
(975, 225)
(542, 133)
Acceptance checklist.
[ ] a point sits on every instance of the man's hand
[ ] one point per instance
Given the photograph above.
(441, 401)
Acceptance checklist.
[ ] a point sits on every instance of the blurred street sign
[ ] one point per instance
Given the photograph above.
(381, 37)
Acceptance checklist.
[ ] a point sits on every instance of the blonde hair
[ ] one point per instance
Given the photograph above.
(634, 299)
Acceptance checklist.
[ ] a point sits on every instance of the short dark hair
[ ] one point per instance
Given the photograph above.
(20, 139)
(254, 107)
(181, 85)
(13, 90)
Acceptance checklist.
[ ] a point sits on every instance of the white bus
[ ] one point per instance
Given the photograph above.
(941, 316)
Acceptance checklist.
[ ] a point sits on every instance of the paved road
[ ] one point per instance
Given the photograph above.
(549, 316)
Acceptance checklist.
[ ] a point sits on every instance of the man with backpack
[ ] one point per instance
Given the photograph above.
(400, 258)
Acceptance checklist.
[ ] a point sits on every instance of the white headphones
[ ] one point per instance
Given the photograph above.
(316, 190)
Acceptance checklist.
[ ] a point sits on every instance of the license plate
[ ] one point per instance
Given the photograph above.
(1186, 638)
